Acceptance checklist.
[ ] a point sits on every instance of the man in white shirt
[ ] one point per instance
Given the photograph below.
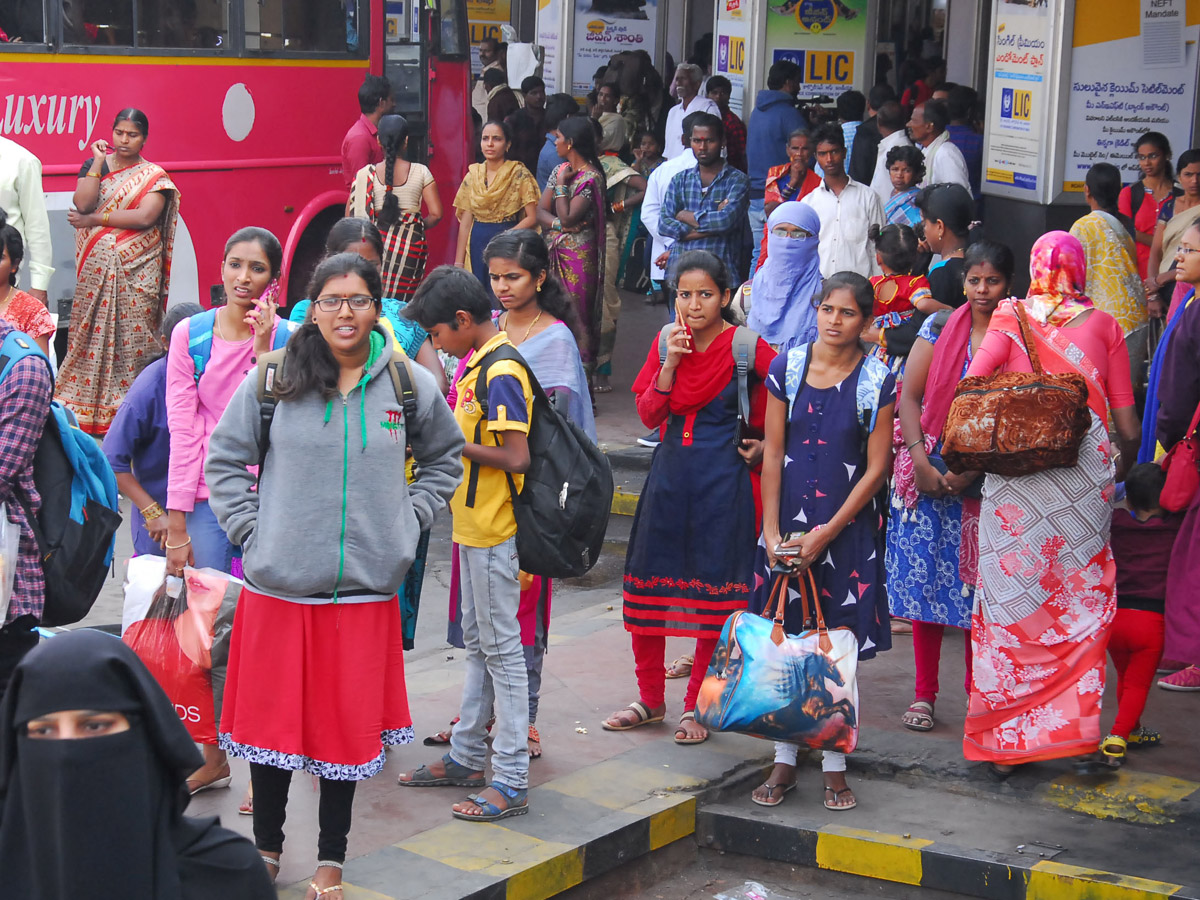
(688, 79)
(890, 120)
(490, 58)
(847, 210)
(944, 163)
(23, 202)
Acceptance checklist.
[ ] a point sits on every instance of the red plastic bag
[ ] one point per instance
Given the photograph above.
(175, 641)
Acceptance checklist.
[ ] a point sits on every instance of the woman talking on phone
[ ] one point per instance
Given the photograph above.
(691, 548)
(198, 390)
(124, 213)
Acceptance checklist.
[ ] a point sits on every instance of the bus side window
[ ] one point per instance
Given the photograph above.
(101, 23)
(453, 28)
(326, 26)
(183, 23)
(22, 22)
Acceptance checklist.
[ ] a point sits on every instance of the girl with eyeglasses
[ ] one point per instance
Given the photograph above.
(316, 664)
(778, 300)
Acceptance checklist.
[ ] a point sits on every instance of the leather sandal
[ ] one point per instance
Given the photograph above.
(643, 715)
(456, 775)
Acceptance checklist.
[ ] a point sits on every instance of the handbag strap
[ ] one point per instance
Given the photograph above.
(1194, 425)
(1028, 338)
(778, 598)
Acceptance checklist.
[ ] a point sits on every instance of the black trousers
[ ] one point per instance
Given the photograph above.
(16, 639)
(270, 810)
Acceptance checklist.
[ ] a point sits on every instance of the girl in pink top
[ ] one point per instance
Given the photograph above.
(242, 330)
(1045, 599)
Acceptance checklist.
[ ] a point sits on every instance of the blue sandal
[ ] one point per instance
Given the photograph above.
(518, 805)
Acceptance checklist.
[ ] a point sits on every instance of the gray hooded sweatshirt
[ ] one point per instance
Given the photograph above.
(333, 517)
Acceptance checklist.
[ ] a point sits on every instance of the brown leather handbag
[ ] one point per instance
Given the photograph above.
(1017, 423)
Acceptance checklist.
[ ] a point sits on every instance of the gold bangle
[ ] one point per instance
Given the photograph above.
(93, 175)
(152, 512)
(178, 546)
(104, 219)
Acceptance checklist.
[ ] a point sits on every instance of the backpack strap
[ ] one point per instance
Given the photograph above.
(870, 381)
(663, 334)
(798, 359)
(504, 351)
(400, 370)
(200, 338)
(744, 344)
(270, 370)
(284, 330)
(16, 346)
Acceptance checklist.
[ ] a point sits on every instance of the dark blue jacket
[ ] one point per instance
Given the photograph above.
(773, 119)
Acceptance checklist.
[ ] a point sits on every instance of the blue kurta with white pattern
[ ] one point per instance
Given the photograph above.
(923, 548)
(825, 457)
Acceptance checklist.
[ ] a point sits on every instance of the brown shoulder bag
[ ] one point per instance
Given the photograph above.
(1017, 423)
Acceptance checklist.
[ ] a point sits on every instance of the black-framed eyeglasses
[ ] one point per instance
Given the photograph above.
(333, 304)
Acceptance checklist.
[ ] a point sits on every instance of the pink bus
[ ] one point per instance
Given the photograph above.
(248, 102)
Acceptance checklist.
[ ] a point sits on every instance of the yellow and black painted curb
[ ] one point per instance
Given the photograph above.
(579, 826)
(912, 860)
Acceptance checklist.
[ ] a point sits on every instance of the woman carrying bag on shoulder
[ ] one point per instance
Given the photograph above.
(316, 666)
(1046, 594)
(828, 453)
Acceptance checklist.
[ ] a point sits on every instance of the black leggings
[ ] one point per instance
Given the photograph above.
(270, 810)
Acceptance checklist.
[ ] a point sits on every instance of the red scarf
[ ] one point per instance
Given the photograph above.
(699, 378)
(945, 371)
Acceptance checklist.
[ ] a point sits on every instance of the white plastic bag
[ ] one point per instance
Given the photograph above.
(10, 536)
(143, 576)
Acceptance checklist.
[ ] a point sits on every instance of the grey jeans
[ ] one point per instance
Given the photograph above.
(495, 665)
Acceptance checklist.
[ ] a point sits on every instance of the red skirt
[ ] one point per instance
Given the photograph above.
(315, 687)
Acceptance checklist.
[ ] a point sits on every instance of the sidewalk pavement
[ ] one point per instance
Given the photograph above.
(601, 799)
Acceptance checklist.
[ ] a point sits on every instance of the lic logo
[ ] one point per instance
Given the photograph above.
(1016, 105)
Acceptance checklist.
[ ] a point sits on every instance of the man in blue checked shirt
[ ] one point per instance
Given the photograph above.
(705, 206)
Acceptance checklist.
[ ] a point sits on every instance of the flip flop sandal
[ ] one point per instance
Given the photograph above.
(215, 784)
(442, 737)
(836, 794)
(682, 667)
(644, 717)
(534, 738)
(456, 776)
(919, 716)
(518, 805)
(687, 717)
(246, 807)
(771, 789)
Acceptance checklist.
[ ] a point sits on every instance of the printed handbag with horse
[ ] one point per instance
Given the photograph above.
(798, 688)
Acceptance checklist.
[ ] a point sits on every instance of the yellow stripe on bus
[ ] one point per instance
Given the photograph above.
(99, 59)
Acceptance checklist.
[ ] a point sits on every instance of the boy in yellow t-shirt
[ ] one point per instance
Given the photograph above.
(452, 306)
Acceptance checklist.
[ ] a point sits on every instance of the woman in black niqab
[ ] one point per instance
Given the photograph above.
(103, 816)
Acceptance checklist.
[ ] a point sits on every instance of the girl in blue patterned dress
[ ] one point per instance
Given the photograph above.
(827, 456)
(933, 531)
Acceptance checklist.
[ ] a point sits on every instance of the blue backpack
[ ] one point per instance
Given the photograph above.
(76, 527)
(200, 337)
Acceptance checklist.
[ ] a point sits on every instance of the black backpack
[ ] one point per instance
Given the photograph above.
(76, 526)
(562, 509)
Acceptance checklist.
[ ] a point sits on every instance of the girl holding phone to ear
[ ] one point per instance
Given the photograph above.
(242, 330)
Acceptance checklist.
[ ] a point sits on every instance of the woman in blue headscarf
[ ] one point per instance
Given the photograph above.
(779, 299)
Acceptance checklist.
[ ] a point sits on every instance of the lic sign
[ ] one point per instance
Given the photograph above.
(822, 68)
(1016, 105)
(731, 55)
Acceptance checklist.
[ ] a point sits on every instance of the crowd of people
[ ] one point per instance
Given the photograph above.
(827, 290)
